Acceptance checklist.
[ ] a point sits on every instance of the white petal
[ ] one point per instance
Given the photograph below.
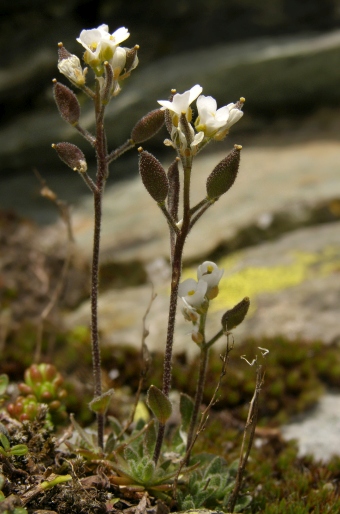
(166, 104)
(206, 103)
(186, 286)
(195, 91)
(120, 35)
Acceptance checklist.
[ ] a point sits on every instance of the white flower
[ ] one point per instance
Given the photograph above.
(181, 102)
(72, 69)
(214, 121)
(192, 292)
(100, 45)
(209, 273)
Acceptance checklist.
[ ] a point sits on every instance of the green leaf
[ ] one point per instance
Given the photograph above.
(242, 503)
(186, 406)
(148, 471)
(159, 404)
(100, 404)
(130, 454)
(149, 440)
(19, 450)
(5, 442)
(85, 436)
(215, 467)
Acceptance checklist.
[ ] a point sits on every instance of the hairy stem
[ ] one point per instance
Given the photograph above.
(102, 172)
(175, 278)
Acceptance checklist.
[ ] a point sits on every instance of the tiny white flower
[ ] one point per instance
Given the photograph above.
(72, 69)
(192, 292)
(209, 273)
(100, 45)
(213, 121)
(181, 102)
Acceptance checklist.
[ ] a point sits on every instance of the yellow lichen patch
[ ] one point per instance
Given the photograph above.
(251, 281)
(240, 280)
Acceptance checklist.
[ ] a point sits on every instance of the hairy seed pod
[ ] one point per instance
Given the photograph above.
(67, 103)
(71, 155)
(148, 126)
(153, 176)
(236, 315)
(224, 174)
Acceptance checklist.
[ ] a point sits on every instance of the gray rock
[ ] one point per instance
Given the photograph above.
(317, 432)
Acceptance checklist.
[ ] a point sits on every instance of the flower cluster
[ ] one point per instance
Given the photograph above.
(211, 123)
(196, 293)
(101, 48)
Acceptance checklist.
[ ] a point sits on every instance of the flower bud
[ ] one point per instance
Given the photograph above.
(148, 126)
(67, 103)
(70, 67)
(236, 315)
(72, 156)
(224, 175)
(153, 176)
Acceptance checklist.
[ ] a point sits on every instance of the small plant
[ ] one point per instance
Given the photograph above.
(42, 386)
(138, 456)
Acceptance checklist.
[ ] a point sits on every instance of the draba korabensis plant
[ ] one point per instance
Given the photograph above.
(136, 463)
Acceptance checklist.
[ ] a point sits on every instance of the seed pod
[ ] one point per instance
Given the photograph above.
(174, 189)
(67, 103)
(153, 176)
(236, 315)
(148, 126)
(71, 155)
(224, 175)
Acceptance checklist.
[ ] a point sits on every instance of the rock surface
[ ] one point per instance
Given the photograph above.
(317, 432)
